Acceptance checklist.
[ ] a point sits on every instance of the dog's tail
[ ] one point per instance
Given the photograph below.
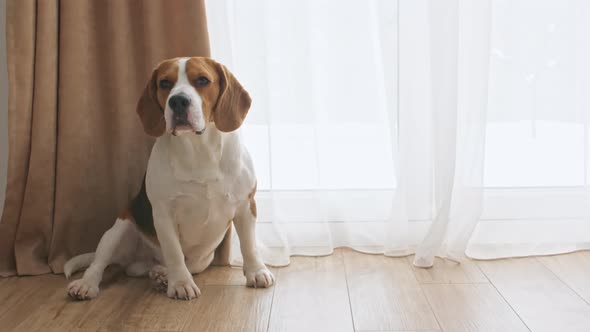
(77, 263)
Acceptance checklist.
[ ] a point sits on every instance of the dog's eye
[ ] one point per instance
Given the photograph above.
(165, 84)
(202, 81)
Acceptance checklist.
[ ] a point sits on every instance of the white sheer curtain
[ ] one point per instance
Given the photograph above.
(373, 120)
(536, 156)
(459, 52)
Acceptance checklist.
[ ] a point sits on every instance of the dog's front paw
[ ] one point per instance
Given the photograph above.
(183, 289)
(259, 278)
(82, 290)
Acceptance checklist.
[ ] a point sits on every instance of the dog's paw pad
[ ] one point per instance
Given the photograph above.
(260, 278)
(82, 290)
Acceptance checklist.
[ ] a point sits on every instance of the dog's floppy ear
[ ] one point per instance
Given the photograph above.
(233, 102)
(149, 110)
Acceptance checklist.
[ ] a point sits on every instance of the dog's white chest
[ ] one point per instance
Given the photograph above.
(203, 215)
(198, 185)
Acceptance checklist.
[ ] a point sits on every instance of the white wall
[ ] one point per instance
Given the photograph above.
(3, 105)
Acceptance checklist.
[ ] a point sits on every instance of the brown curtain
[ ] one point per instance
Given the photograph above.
(77, 152)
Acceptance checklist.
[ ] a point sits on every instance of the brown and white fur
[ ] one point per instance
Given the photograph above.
(199, 179)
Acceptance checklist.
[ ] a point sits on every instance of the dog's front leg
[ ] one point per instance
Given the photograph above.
(180, 281)
(257, 274)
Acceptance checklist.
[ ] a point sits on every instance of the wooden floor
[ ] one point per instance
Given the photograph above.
(347, 291)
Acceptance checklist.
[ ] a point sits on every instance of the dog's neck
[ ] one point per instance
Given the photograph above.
(201, 158)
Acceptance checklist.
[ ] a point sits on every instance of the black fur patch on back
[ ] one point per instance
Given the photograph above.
(141, 210)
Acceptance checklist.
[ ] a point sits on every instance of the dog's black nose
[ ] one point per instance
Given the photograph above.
(179, 102)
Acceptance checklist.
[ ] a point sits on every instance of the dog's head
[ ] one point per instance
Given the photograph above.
(185, 95)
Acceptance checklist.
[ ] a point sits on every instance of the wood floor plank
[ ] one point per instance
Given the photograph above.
(471, 307)
(385, 295)
(14, 290)
(541, 300)
(59, 313)
(231, 308)
(573, 269)
(20, 297)
(311, 295)
(11, 293)
(448, 272)
(114, 305)
(223, 275)
(155, 312)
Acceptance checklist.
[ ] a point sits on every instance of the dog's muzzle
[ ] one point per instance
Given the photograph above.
(179, 104)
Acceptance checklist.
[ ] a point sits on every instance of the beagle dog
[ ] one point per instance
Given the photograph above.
(200, 178)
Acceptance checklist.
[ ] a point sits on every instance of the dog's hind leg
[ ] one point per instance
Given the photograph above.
(87, 287)
(159, 276)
